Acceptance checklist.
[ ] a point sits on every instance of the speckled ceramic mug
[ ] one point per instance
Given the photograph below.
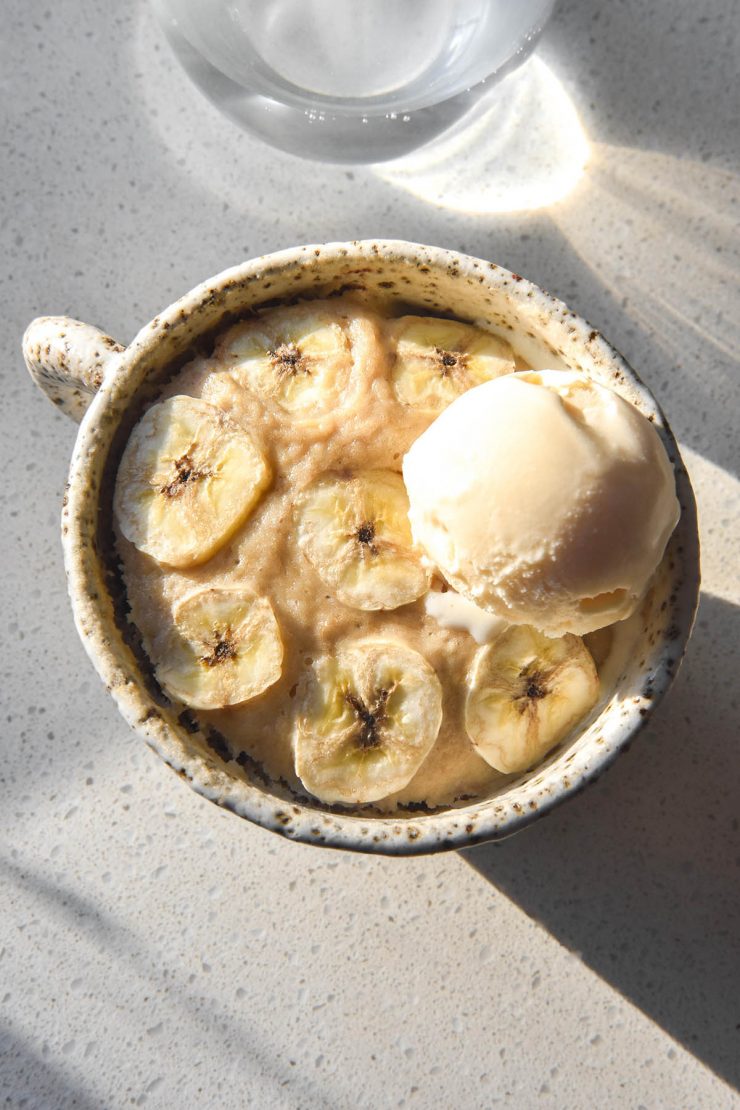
(106, 386)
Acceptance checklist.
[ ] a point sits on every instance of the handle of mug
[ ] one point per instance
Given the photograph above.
(68, 361)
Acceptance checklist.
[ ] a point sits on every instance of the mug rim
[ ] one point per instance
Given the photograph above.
(403, 834)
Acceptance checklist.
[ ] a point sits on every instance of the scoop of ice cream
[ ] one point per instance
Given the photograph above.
(544, 498)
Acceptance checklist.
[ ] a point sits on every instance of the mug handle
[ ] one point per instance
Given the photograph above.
(68, 361)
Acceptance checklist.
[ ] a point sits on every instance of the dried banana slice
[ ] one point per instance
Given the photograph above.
(526, 692)
(189, 477)
(354, 529)
(299, 358)
(436, 360)
(225, 648)
(367, 720)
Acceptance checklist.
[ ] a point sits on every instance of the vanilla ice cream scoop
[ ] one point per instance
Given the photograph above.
(544, 498)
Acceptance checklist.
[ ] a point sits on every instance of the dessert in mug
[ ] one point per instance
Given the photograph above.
(380, 556)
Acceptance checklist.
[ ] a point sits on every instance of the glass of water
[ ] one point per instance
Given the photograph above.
(349, 80)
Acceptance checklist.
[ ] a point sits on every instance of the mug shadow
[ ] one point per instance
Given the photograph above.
(640, 876)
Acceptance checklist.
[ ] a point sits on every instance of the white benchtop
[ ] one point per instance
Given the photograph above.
(156, 950)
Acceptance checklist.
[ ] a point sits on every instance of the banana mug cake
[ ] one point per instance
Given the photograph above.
(382, 558)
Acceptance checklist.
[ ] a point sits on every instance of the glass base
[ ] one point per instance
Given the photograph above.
(321, 134)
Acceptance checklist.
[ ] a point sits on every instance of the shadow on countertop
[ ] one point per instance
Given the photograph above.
(28, 1077)
(641, 875)
(658, 76)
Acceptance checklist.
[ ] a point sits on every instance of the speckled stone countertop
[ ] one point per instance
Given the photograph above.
(156, 950)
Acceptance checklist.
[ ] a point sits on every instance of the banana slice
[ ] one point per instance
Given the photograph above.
(437, 360)
(526, 692)
(224, 649)
(189, 477)
(368, 719)
(298, 358)
(354, 530)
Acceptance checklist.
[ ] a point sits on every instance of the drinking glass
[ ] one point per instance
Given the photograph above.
(349, 80)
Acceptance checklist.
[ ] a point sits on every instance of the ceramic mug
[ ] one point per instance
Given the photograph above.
(106, 386)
